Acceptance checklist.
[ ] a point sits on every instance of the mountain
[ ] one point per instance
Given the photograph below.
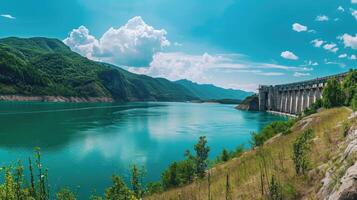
(208, 91)
(47, 67)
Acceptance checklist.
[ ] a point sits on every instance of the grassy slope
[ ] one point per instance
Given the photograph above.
(244, 172)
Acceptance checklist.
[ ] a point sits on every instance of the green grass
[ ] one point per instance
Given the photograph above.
(251, 173)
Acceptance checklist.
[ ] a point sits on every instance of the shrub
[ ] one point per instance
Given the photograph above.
(225, 155)
(301, 147)
(332, 94)
(354, 102)
(118, 191)
(271, 130)
(153, 187)
(65, 194)
(275, 191)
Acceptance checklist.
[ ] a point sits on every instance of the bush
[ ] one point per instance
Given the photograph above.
(354, 102)
(65, 194)
(332, 94)
(313, 108)
(153, 187)
(349, 87)
(301, 148)
(271, 130)
(275, 191)
(118, 191)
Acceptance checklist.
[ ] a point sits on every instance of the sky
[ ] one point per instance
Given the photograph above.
(236, 44)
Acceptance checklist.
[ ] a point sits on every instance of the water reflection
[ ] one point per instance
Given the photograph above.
(84, 144)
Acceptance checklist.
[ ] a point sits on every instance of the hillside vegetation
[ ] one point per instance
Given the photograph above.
(257, 172)
(42, 66)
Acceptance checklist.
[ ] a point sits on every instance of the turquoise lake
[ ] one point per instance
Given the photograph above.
(84, 144)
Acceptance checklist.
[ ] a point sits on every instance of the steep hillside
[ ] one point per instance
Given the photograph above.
(42, 66)
(209, 92)
(270, 170)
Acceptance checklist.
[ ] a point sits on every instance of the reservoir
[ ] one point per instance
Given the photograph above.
(83, 144)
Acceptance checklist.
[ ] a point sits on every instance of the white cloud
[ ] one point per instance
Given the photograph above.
(299, 27)
(317, 42)
(199, 68)
(8, 16)
(310, 63)
(299, 74)
(321, 18)
(289, 55)
(341, 9)
(349, 40)
(133, 44)
(342, 55)
(327, 62)
(331, 47)
(354, 13)
(353, 1)
(353, 57)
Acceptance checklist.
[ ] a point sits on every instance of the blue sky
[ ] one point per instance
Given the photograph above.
(230, 43)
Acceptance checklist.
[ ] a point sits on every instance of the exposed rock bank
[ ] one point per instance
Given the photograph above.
(54, 98)
(250, 103)
(340, 181)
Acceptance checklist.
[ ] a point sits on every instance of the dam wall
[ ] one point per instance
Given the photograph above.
(293, 98)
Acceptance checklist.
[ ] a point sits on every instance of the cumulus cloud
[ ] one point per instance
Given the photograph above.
(299, 74)
(289, 55)
(341, 9)
(299, 27)
(321, 18)
(349, 40)
(317, 42)
(8, 16)
(353, 1)
(132, 44)
(332, 47)
(353, 57)
(342, 55)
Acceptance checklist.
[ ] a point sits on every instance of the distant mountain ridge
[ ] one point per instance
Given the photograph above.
(209, 91)
(44, 67)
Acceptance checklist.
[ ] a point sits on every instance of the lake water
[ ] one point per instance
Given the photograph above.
(84, 144)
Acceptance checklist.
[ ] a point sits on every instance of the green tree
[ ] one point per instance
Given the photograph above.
(349, 86)
(170, 177)
(225, 155)
(202, 151)
(118, 191)
(154, 187)
(135, 181)
(275, 190)
(301, 147)
(354, 102)
(332, 94)
(65, 194)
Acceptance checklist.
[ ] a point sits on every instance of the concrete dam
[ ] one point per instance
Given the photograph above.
(293, 98)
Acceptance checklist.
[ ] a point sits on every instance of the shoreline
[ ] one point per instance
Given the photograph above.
(59, 99)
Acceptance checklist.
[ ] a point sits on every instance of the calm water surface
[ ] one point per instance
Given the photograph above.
(84, 144)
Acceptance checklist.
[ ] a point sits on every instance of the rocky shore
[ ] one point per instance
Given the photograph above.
(55, 99)
(251, 103)
(340, 181)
